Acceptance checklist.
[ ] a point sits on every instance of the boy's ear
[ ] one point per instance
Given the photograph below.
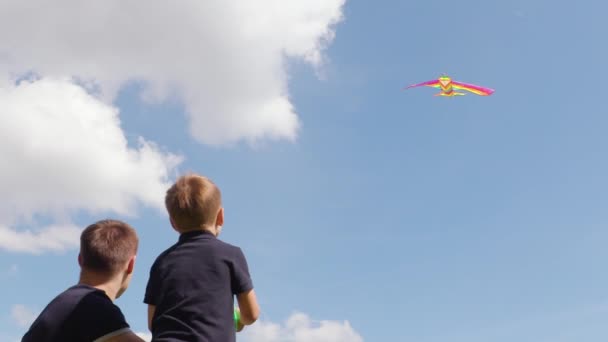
(219, 220)
(79, 259)
(173, 224)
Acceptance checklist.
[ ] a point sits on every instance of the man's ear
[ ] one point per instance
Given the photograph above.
(131, 264)
(79, 259)
(219, 220)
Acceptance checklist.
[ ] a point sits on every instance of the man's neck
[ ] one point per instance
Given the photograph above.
(106, 284)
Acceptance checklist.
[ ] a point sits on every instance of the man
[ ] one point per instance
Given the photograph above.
(85, 312)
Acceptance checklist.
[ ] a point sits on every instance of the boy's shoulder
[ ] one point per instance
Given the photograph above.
(214, 244)
(164, 253)
(227, 245)
(232, 250)
(224, 248)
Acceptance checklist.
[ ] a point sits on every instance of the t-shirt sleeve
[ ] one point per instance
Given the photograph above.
(97, 318)
(153, 287)
(241, 280)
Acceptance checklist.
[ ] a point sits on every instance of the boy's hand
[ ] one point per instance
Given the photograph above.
(239, 324)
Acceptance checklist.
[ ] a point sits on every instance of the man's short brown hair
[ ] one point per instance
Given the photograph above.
(193, 202)
(106, 246)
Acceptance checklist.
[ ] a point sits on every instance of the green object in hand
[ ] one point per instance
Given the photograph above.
(237, 319)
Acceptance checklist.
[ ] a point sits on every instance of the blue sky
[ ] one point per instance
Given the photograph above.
(413, 218)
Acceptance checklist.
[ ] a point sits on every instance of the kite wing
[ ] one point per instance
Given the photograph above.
(472, 88)
(433, 83)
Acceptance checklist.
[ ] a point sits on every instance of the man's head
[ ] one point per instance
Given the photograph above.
(194, 202)
(108, 249)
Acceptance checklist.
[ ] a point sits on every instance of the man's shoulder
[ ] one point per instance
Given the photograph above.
(96, 299)
(97, 317)
(72, 296)
(58, 314)
(87, 300)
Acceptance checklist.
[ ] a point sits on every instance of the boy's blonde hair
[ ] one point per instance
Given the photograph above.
(193, 202)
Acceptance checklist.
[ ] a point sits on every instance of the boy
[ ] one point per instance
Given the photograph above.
(86, 312)
(190, 293)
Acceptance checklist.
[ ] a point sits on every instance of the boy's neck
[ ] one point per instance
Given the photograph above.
(215, 231)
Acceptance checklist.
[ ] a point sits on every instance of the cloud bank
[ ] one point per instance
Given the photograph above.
(61, 145)
(225, 60)
(300, 328)
(22, 316)
(63, 150)
(53, 238)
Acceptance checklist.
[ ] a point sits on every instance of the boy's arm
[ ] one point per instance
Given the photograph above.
(248, 306)
(151, 309)
(152, 292)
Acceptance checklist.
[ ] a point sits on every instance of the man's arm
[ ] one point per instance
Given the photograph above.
(128, 336)
(151, 310)
(248, 306)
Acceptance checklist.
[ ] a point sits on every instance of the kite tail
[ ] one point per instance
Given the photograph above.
(450, 94)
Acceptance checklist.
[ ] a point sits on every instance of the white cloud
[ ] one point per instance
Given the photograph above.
(300, 328)
(23, 316)
(145, 336)
(226, 60)
(67, 151)
(10, 272)
(62, 151)
(54, 238)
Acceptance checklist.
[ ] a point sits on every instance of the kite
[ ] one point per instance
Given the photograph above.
(448, 87)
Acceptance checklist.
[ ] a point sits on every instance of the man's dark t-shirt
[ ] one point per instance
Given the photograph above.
(80, 314)
(192, 284)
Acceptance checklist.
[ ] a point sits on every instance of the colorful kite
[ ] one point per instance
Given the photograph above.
(447, 86)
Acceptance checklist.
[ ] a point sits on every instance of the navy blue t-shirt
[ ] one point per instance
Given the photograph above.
(82, 313)
(192, 284)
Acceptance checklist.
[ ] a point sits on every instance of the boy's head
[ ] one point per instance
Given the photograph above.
(108, 249)
(194, 202)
